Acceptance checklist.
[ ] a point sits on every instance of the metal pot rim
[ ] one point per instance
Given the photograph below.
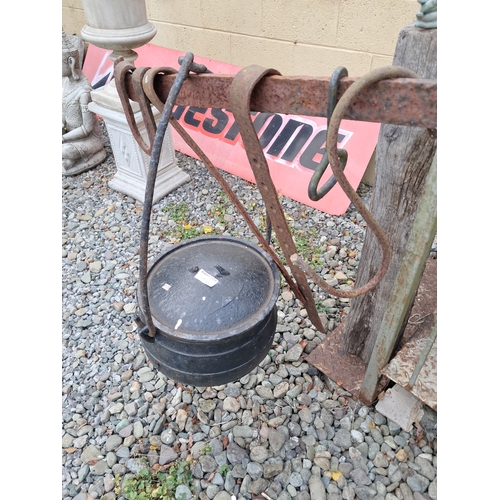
(182, 336)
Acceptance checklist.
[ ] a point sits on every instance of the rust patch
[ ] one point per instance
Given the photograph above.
(348, 370)
(345, 369)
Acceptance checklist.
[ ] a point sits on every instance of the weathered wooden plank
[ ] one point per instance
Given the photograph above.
(403, 159)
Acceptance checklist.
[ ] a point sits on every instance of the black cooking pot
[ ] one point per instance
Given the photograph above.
(213, 304)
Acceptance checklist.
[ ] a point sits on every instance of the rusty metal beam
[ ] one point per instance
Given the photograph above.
(401, 101)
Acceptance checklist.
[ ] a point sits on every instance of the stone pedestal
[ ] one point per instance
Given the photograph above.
(132, 164)
(122, 25)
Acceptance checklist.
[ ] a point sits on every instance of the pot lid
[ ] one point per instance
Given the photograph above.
(212, 284)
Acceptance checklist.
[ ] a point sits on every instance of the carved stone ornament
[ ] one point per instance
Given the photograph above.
(82, 141)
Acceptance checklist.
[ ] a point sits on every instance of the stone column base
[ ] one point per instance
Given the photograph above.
(132, 164)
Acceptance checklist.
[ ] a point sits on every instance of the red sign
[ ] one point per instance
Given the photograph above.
(293, 145)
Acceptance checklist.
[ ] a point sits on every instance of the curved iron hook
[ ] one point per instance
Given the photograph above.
(147, 112)
(241, 91)
(374, 76)
(313, 192)
(121, 68)
(148, 82)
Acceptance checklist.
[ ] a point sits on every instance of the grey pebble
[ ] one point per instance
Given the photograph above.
(259, 454)
(377, 436)
(360, 477)
(296, 479)
(306, 415)
(342, 439)
(357, 436)
(258, 486)
(167, 455)
(236, 454)
(276, 440)
(255, 470)
(83, 472)
(417, 482)
(426, 468)
(90, 453)
(168, 436)
(101, 468)
(113, 442)
(243, 431)
(182, 492)
(294, 353)
(317, 488)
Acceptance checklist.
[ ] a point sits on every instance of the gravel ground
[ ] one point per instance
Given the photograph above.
(285, 431)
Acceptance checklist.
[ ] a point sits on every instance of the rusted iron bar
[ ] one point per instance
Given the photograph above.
(401, 101)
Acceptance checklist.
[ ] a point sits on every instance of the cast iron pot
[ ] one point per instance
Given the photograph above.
(213, 303)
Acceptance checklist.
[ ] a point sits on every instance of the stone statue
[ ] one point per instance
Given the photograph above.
(427, 17)
(82, 142)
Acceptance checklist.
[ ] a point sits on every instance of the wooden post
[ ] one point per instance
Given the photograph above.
(403, 158)
(405, 286)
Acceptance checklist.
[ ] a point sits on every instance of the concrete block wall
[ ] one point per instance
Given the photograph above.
(296, 37)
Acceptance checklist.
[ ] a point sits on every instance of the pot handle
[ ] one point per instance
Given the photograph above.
(186, 65)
